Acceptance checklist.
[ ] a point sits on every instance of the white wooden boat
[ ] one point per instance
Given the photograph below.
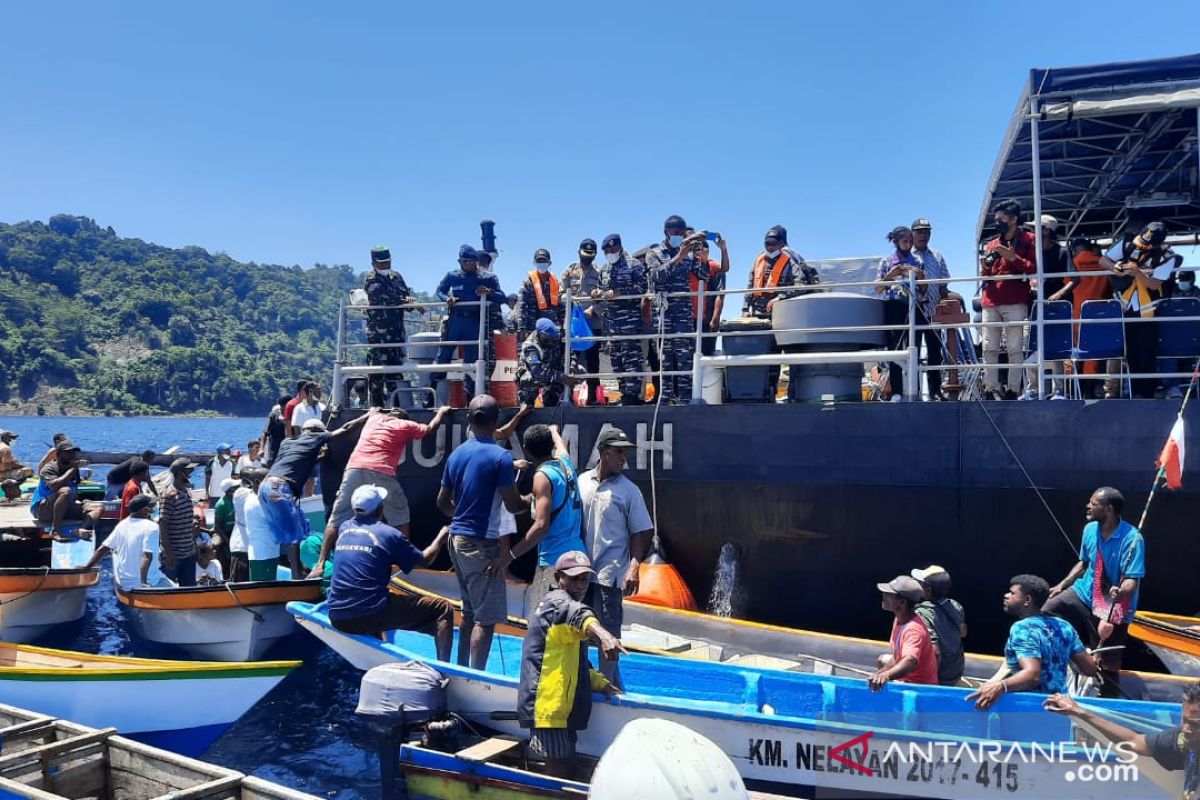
(696, 635)
(181, 705)
(1173, 638)
(33, 600)
(227, 622)
(787, 730)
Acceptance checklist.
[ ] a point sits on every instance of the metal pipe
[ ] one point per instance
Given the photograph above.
(912, 385)
(481, 352)
(697, 367)
(338, 395)
(1037, 234)
(567, 342)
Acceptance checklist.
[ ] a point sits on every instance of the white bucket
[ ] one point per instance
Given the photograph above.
(713, 390)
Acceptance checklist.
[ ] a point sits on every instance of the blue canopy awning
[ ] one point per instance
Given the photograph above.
(1117, 147)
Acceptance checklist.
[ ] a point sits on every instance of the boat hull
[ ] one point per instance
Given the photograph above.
(238, 623)
(1174, 639)
(34, 601)
(769, 752)
(181, 706)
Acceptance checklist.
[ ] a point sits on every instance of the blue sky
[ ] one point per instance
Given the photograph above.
(304, 132)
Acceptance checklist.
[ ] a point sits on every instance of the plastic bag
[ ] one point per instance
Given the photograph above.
(580, 329)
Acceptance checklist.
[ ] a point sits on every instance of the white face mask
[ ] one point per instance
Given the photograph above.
(773, 253)
(612, 258)
(542, 267)
(675, 241)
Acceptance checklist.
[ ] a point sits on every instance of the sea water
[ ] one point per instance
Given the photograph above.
(304, 733)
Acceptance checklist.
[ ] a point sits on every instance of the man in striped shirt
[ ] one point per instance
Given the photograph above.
(177, 524)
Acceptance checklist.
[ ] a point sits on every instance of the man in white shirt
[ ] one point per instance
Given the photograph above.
(219, 469)
(617, 531)
(134, 547)
(239, 541)
(251, 459)
(311, 408)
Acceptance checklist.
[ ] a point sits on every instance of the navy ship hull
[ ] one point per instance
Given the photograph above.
(823, 503)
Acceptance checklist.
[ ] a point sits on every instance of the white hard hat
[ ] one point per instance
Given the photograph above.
(664, 760)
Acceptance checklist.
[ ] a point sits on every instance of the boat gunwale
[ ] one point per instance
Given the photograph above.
(126, 667)
(220, 597)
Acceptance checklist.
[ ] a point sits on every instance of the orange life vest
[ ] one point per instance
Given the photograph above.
(763, 281)
(535, 278)
(694, 284)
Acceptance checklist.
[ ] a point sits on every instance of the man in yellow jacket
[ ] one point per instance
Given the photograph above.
(555, 696)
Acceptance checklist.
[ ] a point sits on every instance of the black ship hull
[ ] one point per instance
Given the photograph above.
(823, 503)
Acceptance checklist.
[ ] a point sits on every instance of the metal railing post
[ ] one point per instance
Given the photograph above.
(338, 395)
(1037, 233)
(567, 311)
(481, 354)
(697, 367)
(912, 376)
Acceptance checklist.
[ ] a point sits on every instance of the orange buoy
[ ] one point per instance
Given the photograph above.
(503, 383)
(662, 585)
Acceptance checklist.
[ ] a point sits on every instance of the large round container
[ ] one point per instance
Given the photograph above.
(828, 309)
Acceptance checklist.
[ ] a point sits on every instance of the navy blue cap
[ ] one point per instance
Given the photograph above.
(547, 327)
(675, 221)
(611, 239)
(467, 253)
(588, 246)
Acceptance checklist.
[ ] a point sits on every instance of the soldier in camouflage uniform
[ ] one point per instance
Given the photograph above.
(540, 367)
(669, 265)
(621, 277)
(386, 326)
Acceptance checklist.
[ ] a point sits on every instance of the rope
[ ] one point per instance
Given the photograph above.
(656, 542)
(257, 617)
(45, 576)
(1028, 477)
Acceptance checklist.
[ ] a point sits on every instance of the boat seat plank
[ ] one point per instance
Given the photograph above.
(488, 749)
(53, 748)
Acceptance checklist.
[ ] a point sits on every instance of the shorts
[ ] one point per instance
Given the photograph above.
(484, 597)
(265, 569)
(402, 612)
(557, 743)
(395, 505)
(282, 512)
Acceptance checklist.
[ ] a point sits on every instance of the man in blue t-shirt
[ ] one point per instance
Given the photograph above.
(1039, 649)
(1099, 603)
(475, 472)
(557, 507)
(359, 601)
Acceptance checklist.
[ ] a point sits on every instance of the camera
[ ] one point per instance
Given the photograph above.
(991, 258)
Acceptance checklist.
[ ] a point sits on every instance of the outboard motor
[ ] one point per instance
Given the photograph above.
(397, 700)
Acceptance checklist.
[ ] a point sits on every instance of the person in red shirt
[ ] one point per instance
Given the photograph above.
(139, 473)
(300, 397)
(373, 462)
(1012, 252)
(912, 659)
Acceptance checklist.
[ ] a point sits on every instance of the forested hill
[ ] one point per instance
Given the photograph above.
(95, 322)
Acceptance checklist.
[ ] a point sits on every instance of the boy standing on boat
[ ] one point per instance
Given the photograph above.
(359, 600)
(912, 659)
(1100, 594)
(475, 472)
(554, 699)
(1039, 648)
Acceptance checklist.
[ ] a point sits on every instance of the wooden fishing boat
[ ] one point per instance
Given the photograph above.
(227, 622)
(35, 599)
(1174, 639)
(785, 730)
(59, 760)
(692, 634)
(180, 705)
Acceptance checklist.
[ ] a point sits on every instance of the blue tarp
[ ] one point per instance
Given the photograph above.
(1117, 146)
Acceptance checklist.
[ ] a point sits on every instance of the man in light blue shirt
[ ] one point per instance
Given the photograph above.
(1100, 593)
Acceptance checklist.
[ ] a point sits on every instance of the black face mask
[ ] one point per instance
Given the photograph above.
(1001, 228)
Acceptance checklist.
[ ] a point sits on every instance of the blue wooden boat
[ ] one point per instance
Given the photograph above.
(786, 730)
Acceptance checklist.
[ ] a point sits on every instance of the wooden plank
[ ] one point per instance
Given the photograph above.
(54, 748)
(487, 749)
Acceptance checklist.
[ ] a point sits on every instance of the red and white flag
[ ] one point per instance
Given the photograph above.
(1170, 460)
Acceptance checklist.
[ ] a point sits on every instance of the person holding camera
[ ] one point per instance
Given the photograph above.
(1012, 252)
(55, 501)
(670, 265)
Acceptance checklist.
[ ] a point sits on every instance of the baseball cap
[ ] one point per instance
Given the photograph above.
(547, 327)
(675, 221)
(467, 253)
(611, 240)
(140, 502)
(65, 446)
(312, 425)
(1154, 234)
(1049, 222)
(367, 498)
(777, 232)
(541, 254)
(8, 434)
(588, 246)
(483, 408)
(904, 586)
(229, 483)
(380, 253)
(922, 224)
(181, 465)
(923, 574)
(574, 563)
(224, 447)
(512, 298)
(613, 437)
